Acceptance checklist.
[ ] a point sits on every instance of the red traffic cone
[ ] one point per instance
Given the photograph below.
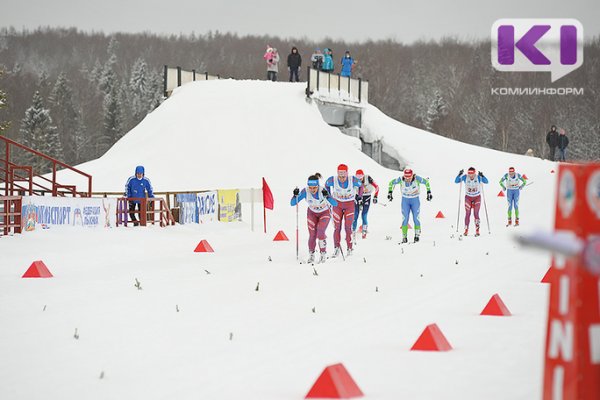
(280, 236)
(440, 215)
(548, 276)
(501, 193)
(334, 383)
(496, 307)
(432, 339)
(37, 269)
(203, 247)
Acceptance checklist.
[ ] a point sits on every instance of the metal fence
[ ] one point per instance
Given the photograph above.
(175, 77)
(335, 86)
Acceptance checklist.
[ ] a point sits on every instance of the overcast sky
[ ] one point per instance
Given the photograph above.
(353, 20)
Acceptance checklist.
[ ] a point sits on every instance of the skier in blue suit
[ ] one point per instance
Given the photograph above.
(136, 187)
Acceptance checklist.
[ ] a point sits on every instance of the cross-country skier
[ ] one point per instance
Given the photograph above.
(411, 185)
(318, 214)
(343, 189)
(514, 183)
(472, 195)
(364, 202)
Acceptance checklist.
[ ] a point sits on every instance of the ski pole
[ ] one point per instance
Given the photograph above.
(458, 214)
(297, 247)
(487, 220)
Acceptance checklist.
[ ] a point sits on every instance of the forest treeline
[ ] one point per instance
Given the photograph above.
(72, 94)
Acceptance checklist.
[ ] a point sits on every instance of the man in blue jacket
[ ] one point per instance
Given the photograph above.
(136, 187)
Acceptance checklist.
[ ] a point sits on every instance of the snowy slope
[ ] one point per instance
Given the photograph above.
(229, 341)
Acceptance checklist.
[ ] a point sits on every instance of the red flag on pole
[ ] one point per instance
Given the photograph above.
(267, 202)
(267, 195)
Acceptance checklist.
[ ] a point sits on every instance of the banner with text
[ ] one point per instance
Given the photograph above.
(230, 207)
(197, 207)
(45, 211)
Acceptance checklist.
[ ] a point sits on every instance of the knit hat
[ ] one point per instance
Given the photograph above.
(471, 170)
(359, 172)
(139, 170)
(342, 167)
(408, 173)
(511, 169)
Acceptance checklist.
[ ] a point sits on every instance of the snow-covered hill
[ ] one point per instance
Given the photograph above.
(229, 341)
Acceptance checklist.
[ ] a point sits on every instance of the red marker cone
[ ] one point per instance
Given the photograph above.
(334, 383)
(548, 276)
(280, 236)
(203, 247)
(37, 269)
(440, 215)
(501, 194)
(432, 339)
(496, 307)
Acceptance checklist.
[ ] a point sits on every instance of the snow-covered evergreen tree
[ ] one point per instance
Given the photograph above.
(138, 90)
(3, 102)
(113, 120)
(67, 119)
(436, 111)
(39, 133)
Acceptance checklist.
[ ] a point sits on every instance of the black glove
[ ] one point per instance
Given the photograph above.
(375, 199)
(296, 192)
(481, 174)
(429, 196)
(359, 201)
(390, 197)
(325, 193)
(462, 171)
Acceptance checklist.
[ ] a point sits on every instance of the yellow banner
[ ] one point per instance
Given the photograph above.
(230, 208)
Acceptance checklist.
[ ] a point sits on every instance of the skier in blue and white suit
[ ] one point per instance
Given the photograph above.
(410, 200)
(514, 183)
(136, 187)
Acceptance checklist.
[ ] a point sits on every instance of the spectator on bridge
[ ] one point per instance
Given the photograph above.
(294, 62)
(328, 60)
(317, 59)
(136, 188)
(347, 64)
(562, 143)
(272, 58)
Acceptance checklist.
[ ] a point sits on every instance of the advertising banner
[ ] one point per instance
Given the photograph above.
(45, 211)
(207, 207)
(230, 207)
(188, 208)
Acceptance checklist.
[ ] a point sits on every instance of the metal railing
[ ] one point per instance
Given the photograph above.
(20, 179)
(175, 77)
(10, 214)
(147, 212)
(336, 86)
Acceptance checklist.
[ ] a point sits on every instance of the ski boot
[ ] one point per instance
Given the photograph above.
(364, 232)
(336, 252)
(416, 238)
(311, 258)
(323, 257)
(466, 232)
(510, 222)
(353, 237)
(516, 221)
(349, 253)
(476, 231)
(404, 240)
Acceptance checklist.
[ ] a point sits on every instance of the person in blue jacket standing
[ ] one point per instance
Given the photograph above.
(327, 61)
(347, 65)
(136, 187)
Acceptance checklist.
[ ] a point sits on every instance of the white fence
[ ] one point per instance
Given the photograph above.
(334, 86)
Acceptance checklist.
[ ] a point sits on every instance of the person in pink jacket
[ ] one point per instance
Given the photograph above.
(271, 56)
